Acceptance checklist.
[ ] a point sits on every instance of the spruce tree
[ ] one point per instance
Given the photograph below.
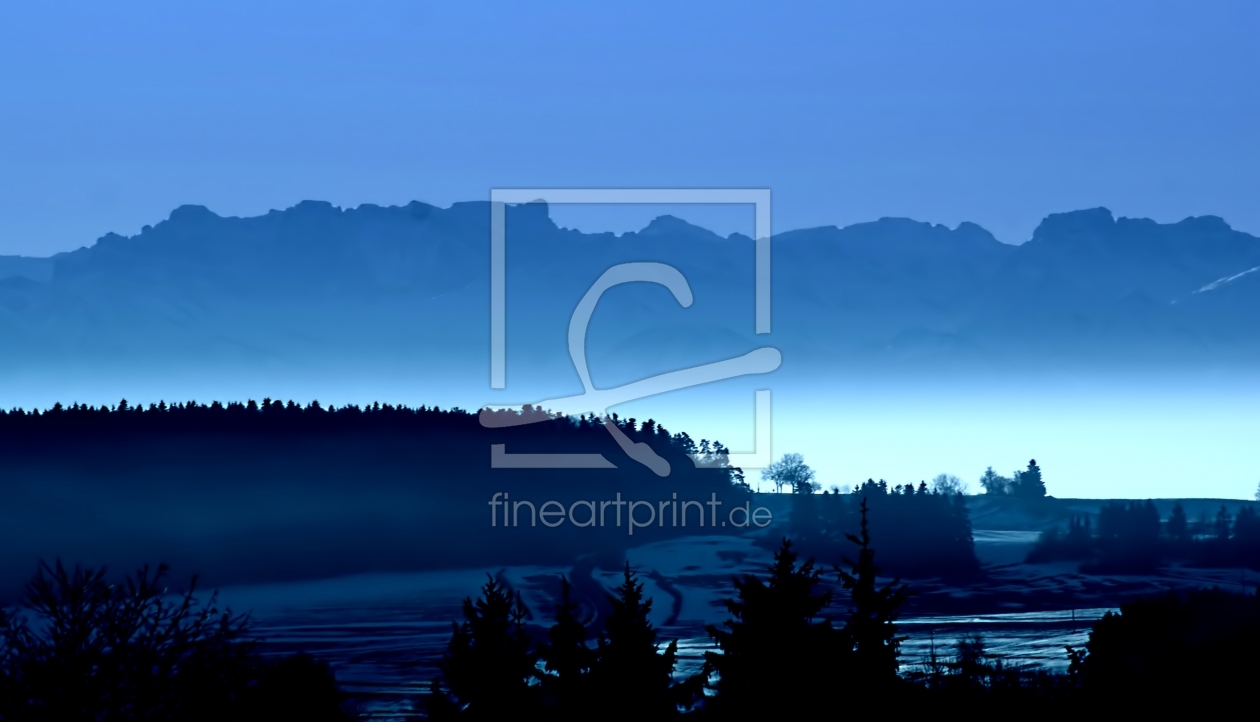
(1177, 524)
(1029, 484)
(489, 669)
(632, 678)
(568, 659)
(1246, 541)
(776, 652)
(871, 625)
(1220, 528)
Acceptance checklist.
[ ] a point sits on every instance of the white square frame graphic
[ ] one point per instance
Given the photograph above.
(500, 198)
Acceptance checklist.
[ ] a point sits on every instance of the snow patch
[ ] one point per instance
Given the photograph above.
(1228, 279)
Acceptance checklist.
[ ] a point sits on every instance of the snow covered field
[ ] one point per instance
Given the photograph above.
(384, 633)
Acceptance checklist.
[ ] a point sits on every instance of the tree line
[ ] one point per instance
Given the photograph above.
(926, 529)
(779, 637)
(1131, 536)
(924, 532)
(1025, 484)
(437, 461)
(60, 424)
(786, 651)
(445, 432)
(83, 647)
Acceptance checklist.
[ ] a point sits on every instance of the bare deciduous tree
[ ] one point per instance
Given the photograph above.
(948, 484)
(791, 471)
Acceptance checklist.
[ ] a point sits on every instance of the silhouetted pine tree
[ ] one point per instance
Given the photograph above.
(806, 522)
(1246, 539)
(1128, 538)
(1220, 528)
(871, 626)
(489, 670)
(1074, 545)
(568, 658)
(776, 653)
(1028, 483)
(631, 677)
(1178, 528)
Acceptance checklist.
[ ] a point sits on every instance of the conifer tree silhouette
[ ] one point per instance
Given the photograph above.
(1247, 533)
(1221, 526)
(1177, 524)
(774, 645)
(632, 677)
(1028, 483)
(871, 625)
(489, 669)
(568, 659)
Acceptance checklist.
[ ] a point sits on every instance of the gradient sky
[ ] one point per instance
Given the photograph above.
(113, 114)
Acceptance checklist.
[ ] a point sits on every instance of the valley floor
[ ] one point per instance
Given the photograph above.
(384, 633)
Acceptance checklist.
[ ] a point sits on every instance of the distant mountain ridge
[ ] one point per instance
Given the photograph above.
(354, 288)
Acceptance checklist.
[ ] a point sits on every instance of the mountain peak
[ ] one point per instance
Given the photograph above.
(310, 206)
(975, 233)
(1091, 221)
(673, 225)
(193, 213)
(1206, 223)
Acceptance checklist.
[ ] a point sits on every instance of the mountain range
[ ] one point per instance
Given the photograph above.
(355, 291)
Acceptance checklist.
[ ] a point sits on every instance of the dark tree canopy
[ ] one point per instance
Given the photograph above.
(489, 671)
(632, 677)
(1188, 646)
(777, 642)
(435, 461)
(568, 660)
(1028, 483)
(871, 624)
(921, 531)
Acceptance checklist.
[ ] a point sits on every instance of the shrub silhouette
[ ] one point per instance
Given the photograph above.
(82, 648)
(1191, 646)
(297, 687)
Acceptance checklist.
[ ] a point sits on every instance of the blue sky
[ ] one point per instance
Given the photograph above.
(111, 115)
